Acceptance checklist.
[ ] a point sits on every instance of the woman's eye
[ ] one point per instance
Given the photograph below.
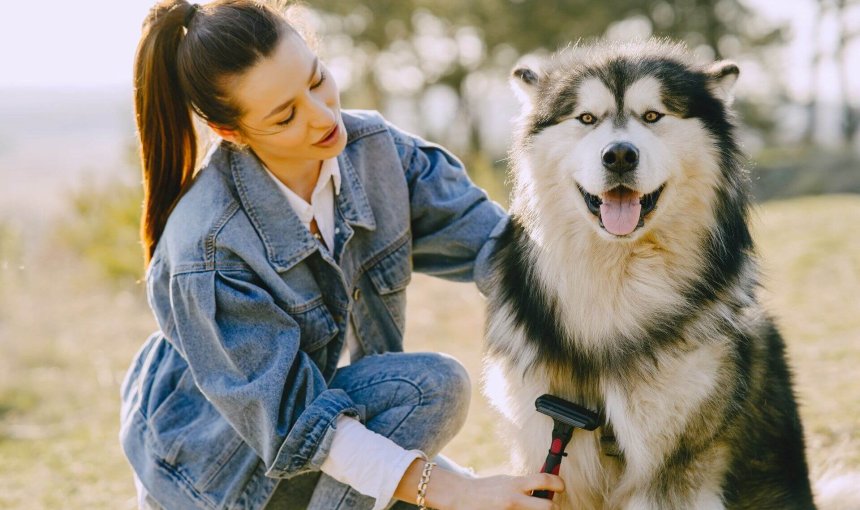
(288, 119)
(313, 86)
(652, 116)
(321, 80)
(587, 119)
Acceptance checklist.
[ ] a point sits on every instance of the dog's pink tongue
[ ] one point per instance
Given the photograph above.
(620, 211)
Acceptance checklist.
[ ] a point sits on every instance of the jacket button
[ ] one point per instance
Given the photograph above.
(356, 294)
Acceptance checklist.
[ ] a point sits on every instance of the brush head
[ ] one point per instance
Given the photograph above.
(567, 412)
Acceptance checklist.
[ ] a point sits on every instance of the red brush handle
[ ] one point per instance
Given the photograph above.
(552, 464)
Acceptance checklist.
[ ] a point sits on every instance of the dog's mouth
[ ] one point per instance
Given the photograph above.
(621, 210)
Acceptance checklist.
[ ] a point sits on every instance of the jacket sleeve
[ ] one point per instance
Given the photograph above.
(243, 352)
(454, 223)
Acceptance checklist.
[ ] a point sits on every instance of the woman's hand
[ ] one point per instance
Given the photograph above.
(501, 492)
(451, 491)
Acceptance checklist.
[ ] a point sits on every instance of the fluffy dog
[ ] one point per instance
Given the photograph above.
(626, 282)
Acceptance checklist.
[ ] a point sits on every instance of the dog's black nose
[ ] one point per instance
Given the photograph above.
(620, 157)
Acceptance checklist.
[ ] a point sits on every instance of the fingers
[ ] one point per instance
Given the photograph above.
(542, 481)
(510, 492)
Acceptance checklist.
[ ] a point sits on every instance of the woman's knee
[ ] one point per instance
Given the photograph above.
(446, 385)
(430, 391)
(444, 392)
(432, 376)
(452, 377)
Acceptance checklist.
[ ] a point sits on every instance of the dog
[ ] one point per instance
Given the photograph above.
(626, 282)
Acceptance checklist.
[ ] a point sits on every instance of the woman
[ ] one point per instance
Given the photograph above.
(277, 278)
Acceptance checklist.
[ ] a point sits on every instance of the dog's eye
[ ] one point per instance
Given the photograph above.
(587, 119)
(652, 117)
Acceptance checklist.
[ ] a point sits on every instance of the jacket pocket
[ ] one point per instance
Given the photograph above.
(317, 327)
(393, 272)
(385, 305)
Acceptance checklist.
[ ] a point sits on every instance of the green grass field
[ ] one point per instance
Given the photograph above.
(65, 343)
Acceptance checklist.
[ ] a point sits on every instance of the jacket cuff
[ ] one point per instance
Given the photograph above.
(309, 441)
(484, 261)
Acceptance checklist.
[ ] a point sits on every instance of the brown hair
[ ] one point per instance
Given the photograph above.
(184, 61)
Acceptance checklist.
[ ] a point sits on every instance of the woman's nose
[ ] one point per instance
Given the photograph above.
(323, 114)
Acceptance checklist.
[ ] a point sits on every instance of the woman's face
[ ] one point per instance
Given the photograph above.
(291, 107)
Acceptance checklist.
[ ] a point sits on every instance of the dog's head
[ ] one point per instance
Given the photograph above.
(624, 135)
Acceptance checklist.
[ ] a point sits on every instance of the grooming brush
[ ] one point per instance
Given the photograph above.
(566, 416)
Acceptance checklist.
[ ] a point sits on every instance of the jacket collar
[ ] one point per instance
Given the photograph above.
(286, 240)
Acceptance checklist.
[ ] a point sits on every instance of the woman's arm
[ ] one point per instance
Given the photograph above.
(454, 223)
(244, 353)
(369, 462)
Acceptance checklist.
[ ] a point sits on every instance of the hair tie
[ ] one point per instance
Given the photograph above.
(190, 15)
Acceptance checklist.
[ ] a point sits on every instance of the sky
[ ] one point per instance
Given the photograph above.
(91, 43)
(69, 43)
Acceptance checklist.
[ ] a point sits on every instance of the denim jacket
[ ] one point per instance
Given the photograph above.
(231, 394)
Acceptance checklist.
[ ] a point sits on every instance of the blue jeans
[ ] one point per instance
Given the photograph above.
(418, 400)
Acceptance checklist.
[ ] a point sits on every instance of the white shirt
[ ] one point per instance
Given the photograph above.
(321, 207)
(369, 462)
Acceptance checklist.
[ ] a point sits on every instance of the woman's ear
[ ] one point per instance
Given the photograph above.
(231, 135)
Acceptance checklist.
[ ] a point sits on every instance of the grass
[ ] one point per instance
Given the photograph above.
(64, 346)
(66, 339)
(811, 262)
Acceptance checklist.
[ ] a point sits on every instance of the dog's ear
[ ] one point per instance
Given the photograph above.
(525, 79)
(722, 77)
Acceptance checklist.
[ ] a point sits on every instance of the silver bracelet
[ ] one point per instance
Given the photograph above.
(422, 485)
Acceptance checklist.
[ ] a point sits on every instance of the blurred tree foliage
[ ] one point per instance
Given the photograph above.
(528, 25)
(104, 224)
(409, 45)
(103, 229)
(847, 33)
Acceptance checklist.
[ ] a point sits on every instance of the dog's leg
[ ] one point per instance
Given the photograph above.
(665, 422)
(682, 484)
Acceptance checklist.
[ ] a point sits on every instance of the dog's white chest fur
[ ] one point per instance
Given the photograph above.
(646, 418)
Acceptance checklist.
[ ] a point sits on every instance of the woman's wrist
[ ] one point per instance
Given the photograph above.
(444, 488)
(440, 490)
(421, 499)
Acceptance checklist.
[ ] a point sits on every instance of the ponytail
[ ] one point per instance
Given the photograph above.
(168, 148)
(185, 54)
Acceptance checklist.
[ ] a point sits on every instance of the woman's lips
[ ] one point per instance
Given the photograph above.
(330, 138)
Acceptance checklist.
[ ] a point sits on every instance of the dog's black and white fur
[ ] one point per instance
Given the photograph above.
(649, 316)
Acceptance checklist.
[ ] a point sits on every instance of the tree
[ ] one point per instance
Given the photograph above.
(402, 35)
(850, 117)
